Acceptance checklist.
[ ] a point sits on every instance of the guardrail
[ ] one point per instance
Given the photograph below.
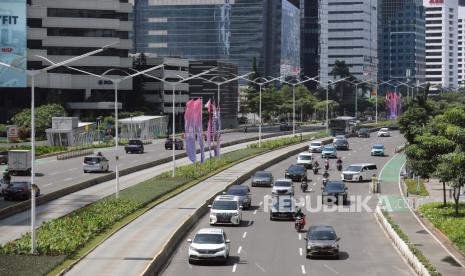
(414, 262)
(73, 154)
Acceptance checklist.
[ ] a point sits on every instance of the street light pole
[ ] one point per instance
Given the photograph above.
(116, 83)
(173, 125)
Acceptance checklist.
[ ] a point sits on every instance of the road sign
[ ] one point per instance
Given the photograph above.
(12, 132)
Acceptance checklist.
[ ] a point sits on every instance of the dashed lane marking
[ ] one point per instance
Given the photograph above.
(244, 235)
(331, 269)
(300, 251)
(302, 267)
(300, 237)
(255, 212)
(239, 250)
(260, 204)
(234, 268)
(68, 179)
(259, 267)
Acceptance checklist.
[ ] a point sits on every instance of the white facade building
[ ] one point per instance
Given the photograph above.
(349, 33)
(461, 47)
(441, 43)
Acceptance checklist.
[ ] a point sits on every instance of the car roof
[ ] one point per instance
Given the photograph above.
(283, 180)
(362, 164)
(93, 156)
(384, 128)
(317, 142)
(378, 145)
(306, 153)
(227, 198)
(237, 187)
(263, 172)
(321, 228)
(329, 146)
(210, 231)
(335, 182)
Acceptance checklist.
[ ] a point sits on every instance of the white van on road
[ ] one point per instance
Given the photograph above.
(359, 172)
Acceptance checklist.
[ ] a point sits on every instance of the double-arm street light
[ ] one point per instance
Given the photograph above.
(32, 74)
(260, 81)
(293, 84)
(173, 86)
(357, 83)
(116, 82)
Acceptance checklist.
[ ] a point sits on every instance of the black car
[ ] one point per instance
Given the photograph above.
(19, 190)
(262, 178)
(336, 190)
(341, 144)
(134, 146)
(285, 126)
(393, 127)
(296, 173)
(321, 240)
(4, 157)
(363, 133)
(178, 144)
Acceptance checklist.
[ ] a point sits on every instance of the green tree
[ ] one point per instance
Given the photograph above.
(412, 121)
(43, 117)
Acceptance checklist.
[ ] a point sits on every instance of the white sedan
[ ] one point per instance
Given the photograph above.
(384, 132)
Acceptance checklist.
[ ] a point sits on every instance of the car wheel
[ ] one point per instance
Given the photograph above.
(127, 152)
(85, 171)
(360, 179)
(191, 261)
(271, 217)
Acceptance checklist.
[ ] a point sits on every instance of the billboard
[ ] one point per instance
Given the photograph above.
(13, 43)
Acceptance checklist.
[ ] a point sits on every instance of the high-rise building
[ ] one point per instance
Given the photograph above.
(59, 30)
(349, 33)
(310, 40)
(461, 46)
(224, 30)
(441, 43)
(401, 47)
(290, 39)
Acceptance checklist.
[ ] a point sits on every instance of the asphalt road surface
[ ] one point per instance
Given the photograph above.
(53, 175)
(263, 247)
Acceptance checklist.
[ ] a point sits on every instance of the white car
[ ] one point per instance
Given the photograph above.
(95, 164)
(209, 244)
(359, 172)
(339, 137)
(315, 146)
(226, 209)
(3, 185)
(305, 159)
(283, 187)
(384, 132)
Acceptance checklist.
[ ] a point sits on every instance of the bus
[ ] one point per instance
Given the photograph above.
(342, 125)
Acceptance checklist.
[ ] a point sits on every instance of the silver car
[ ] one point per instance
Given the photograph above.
(322, 241)
(262, 178)
(243, 192)
(95, 164)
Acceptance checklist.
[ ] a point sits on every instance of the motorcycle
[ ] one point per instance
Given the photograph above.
(326, 167)
(339, 167)
(325, 180)
(304, 186)
(315, 170)
(299, 223)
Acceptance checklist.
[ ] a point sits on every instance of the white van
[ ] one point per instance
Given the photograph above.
(359, 172)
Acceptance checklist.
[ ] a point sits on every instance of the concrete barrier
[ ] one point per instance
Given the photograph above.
(413, 261)
(159, 262)
(74, 154)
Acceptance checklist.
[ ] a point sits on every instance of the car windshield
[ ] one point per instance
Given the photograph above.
(262, 174)
(91, 160)
(334, 186)
(18, 184)
(378, 146)
(282, 184)
(340, 142)
(316, 144)
(296, 169)
(384, 129)
(322, 235)
(224, 205)
(208, 239)
(305, 157)
(363, 130)
(353, 168)
(329, 148)
(237, 192)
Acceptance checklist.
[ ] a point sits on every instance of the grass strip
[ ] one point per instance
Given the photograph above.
(444, 218)
(78, 232)
(429, 266)
(412, 187)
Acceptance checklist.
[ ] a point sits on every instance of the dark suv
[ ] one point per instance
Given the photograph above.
(336, 190)
(134, 146)
(363, 133)
(178, 144)
(322, 240)
(296, 173)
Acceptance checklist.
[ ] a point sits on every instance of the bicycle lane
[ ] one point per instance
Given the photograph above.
(393, 200)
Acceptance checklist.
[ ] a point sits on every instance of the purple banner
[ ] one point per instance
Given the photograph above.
(190, 128)
(199, 129)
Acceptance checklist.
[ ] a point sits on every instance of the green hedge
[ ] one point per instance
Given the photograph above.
(412, 187)
(444, 219)
(429, 266)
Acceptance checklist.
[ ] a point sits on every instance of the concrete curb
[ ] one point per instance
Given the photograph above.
(74, 154)
(403, 248)
(25, 205)
(159, 262)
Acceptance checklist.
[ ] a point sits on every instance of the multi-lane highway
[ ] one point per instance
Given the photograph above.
(263, 247)
(53, 175)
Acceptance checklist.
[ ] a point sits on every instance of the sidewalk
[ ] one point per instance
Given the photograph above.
(434, 188)
(437, 254)
(130, 250)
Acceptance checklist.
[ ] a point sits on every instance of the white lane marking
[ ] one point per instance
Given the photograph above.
(314, 183)
(250, 222)
(244, 235)
(331, 269)
(302, 267)
(260, 204)
(310, 190)
(259, 267)
(300, 237)
(239, 250)
(72, 169)
(49, 184)
(234, 268)
(300, 251)
(255, 212)
(55, 173)
(68, 179)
